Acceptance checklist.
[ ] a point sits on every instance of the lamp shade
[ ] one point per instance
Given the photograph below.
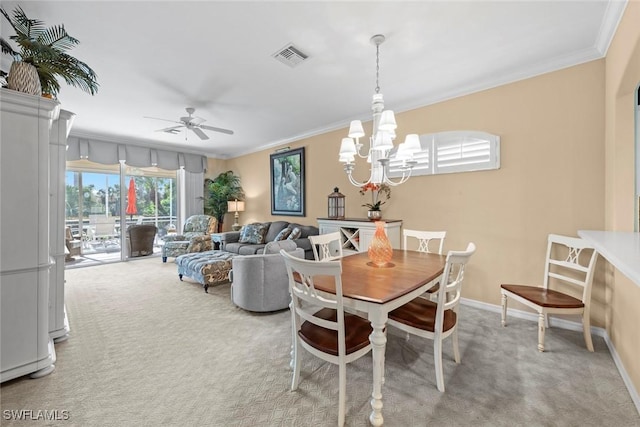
(387, 121)
(347, 147)
(355, 129)
(412, 141)
(235, 206)
(403, 152)
(382, 141)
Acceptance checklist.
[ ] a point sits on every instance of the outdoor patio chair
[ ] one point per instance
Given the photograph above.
(140, 239)
(74, 246)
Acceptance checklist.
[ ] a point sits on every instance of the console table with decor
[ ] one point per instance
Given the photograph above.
(356, 233)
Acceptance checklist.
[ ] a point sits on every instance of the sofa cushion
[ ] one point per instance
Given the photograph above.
(274, 247)
(274, 229)
(295, 233)
(250, 249)
(253, 233)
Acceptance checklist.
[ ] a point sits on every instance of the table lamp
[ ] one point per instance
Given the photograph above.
(235, 206)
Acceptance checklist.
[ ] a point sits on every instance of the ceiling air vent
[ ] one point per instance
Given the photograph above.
(290, 55)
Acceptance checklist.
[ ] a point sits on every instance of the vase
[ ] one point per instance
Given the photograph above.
(374, 215)
(380, 251)
(23, 77)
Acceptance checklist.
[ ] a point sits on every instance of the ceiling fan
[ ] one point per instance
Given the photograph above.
(192, 123)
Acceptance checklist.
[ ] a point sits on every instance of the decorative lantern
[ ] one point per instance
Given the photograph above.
(336, 205)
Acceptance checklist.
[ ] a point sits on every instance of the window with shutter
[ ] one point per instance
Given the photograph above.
(454, 151)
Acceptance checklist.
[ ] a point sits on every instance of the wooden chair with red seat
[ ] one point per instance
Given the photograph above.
(320, 324)
(566, 264)
(437, 320)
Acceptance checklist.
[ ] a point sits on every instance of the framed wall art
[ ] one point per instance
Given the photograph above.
(287, 182)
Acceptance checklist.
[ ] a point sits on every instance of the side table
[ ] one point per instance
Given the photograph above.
(216, 240)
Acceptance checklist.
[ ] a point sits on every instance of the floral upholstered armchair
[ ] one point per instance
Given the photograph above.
(195, 237)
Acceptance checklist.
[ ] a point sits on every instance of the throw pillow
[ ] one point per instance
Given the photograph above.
(213, 226)
(283, 234)
(253, 233)
(295, 233)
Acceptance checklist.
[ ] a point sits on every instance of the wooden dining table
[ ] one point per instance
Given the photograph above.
(378, 290)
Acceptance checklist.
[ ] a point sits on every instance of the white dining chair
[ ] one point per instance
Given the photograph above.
(320, 324)
(566, 267)
(428, 241)
(437, 320)
(326, 247)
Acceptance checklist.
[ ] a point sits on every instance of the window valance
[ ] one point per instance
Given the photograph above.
(110, 153)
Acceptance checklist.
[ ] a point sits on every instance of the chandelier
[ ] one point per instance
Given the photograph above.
(381, 140)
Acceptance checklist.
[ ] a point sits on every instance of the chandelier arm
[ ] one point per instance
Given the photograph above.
(385, 177)
(353, 181)
(404, 179)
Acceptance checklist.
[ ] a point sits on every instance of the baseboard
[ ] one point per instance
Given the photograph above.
(570, 325)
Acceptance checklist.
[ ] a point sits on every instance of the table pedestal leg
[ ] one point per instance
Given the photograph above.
(378, 341)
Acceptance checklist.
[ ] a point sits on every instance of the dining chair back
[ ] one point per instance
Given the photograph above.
(326, 247)
(570, 263)
(428, 241)
(437, 320)
(319, 323)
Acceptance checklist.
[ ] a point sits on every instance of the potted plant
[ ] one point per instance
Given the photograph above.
(223, 188)
(380, 193)
(42, 58)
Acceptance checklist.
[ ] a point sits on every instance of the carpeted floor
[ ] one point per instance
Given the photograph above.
(148, 350)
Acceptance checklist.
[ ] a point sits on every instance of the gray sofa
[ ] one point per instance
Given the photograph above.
(230, 241)
(259, 282)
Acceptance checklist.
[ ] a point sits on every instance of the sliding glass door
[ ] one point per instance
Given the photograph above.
(98, 204)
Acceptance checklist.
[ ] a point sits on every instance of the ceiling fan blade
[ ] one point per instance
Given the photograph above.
(197, 121)
(227, 131)
(199, 132)
(172, 129)
(157, 118)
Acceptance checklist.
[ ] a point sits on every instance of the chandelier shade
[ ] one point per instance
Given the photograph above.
(381, 140)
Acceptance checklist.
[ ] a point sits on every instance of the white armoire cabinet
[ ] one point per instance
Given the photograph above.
(25, 253)
(58, 324)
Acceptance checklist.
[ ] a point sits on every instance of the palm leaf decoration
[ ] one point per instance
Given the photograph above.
(223, 188)
(45, 48)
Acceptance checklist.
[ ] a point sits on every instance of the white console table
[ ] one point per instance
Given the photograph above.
(356, 233)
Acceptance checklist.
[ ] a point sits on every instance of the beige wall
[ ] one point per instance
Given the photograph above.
(622, 79)
(551, 180)
(554, 178)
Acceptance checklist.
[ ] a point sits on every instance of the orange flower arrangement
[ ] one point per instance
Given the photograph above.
(380, 193)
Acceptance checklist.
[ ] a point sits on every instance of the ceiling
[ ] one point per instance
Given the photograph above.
(154, 58)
